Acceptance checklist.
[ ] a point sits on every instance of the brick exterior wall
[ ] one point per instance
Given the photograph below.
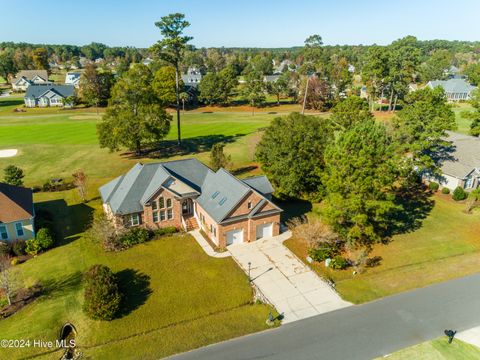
(219, 236)
(147, 217)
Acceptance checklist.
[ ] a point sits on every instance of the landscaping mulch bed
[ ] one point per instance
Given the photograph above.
(22, 298)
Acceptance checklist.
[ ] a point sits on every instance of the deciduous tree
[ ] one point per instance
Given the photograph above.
(13, 175)
(135, 118)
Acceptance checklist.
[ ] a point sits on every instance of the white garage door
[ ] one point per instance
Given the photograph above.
(234, 237)
(264, 230)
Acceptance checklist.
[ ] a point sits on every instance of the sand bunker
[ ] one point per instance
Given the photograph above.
(8, 153)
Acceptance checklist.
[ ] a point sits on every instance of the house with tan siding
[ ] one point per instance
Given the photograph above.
(188, 195)
(16, 213)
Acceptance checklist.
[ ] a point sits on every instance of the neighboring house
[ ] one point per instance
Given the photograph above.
(412, 87)
(271, 78)
(462, 168)
(16, 213)
(192, 78)
(43, 95)
(284, 65)
(456, 89)
(363, 92)
(147, 61)
(73, 78)
(187, 194)
(25, 78)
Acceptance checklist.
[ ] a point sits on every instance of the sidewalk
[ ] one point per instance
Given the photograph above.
(206, 246)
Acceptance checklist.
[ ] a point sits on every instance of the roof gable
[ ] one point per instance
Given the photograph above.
(16, 203)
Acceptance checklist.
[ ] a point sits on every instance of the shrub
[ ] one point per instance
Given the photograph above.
(14, 261)
(18, 247)
(44, 238)
(5, 248)
(433, 186)
(445, 191)
(32, 247)
(324, 251)
(459, 194)
(102, 297)
(339, 263)
(133, 236)
(165, 231)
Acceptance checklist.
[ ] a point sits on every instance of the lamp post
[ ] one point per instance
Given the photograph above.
(249, 278)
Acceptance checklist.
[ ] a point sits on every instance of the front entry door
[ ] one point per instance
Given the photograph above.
(187, 207)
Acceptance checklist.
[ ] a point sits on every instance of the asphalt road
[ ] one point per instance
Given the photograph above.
(363, 331)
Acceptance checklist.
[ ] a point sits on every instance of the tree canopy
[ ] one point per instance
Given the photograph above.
(291, 153)
(135, 117)
(359, 177)
(421, 127)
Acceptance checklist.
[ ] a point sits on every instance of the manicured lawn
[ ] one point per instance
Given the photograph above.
(463, 124)
(446, 245)
(177, 298)
(55, 145)
(438, 349)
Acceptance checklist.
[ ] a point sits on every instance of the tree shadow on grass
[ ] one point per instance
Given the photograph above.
(135, 289)
(416, 204)
(244, 170)
(169, 148)
(68, 220)
(16, 102)
(293, 208)
(62, 284)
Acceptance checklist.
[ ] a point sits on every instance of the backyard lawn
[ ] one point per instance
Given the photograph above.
(445, 245)
(463, 124)
(177, 298)
(438, 349)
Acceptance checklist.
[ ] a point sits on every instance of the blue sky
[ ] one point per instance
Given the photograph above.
(260, 23)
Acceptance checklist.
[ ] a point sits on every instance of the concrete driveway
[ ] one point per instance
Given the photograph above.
(294, 289)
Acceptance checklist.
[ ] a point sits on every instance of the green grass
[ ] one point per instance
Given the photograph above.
(194, 299)
(56, 144)
(463, 124)
(446, 246)
(438, 349)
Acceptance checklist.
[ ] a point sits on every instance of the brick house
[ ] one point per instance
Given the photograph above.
(187, 194)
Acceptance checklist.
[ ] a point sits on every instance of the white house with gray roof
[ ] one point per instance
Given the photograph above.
(456, 89)
(25, 78)
(44, 95)
(187, 194)
(462, 168)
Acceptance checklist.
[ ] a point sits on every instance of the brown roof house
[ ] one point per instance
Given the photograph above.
(25, 78)
(188, 195)
(16, 213)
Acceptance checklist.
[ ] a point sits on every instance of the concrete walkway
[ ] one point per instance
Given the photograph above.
(206, 246)
(294, 289)
(471, 336)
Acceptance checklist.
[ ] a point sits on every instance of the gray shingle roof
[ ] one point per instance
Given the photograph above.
(30, 74)
(455, 85)
(260, 184)
(219, 191)
(465, 155)
(35, 91)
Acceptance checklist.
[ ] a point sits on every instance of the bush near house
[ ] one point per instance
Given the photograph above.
(165, 231)
(433, 186)
(459, 194)
(102, 297)
(18, 247)
(445, 191)
(42, 241)
(134, 236)
(323, 252)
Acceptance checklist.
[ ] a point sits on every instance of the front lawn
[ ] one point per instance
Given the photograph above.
(446, 245)
(438, 349)
(177, 297)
